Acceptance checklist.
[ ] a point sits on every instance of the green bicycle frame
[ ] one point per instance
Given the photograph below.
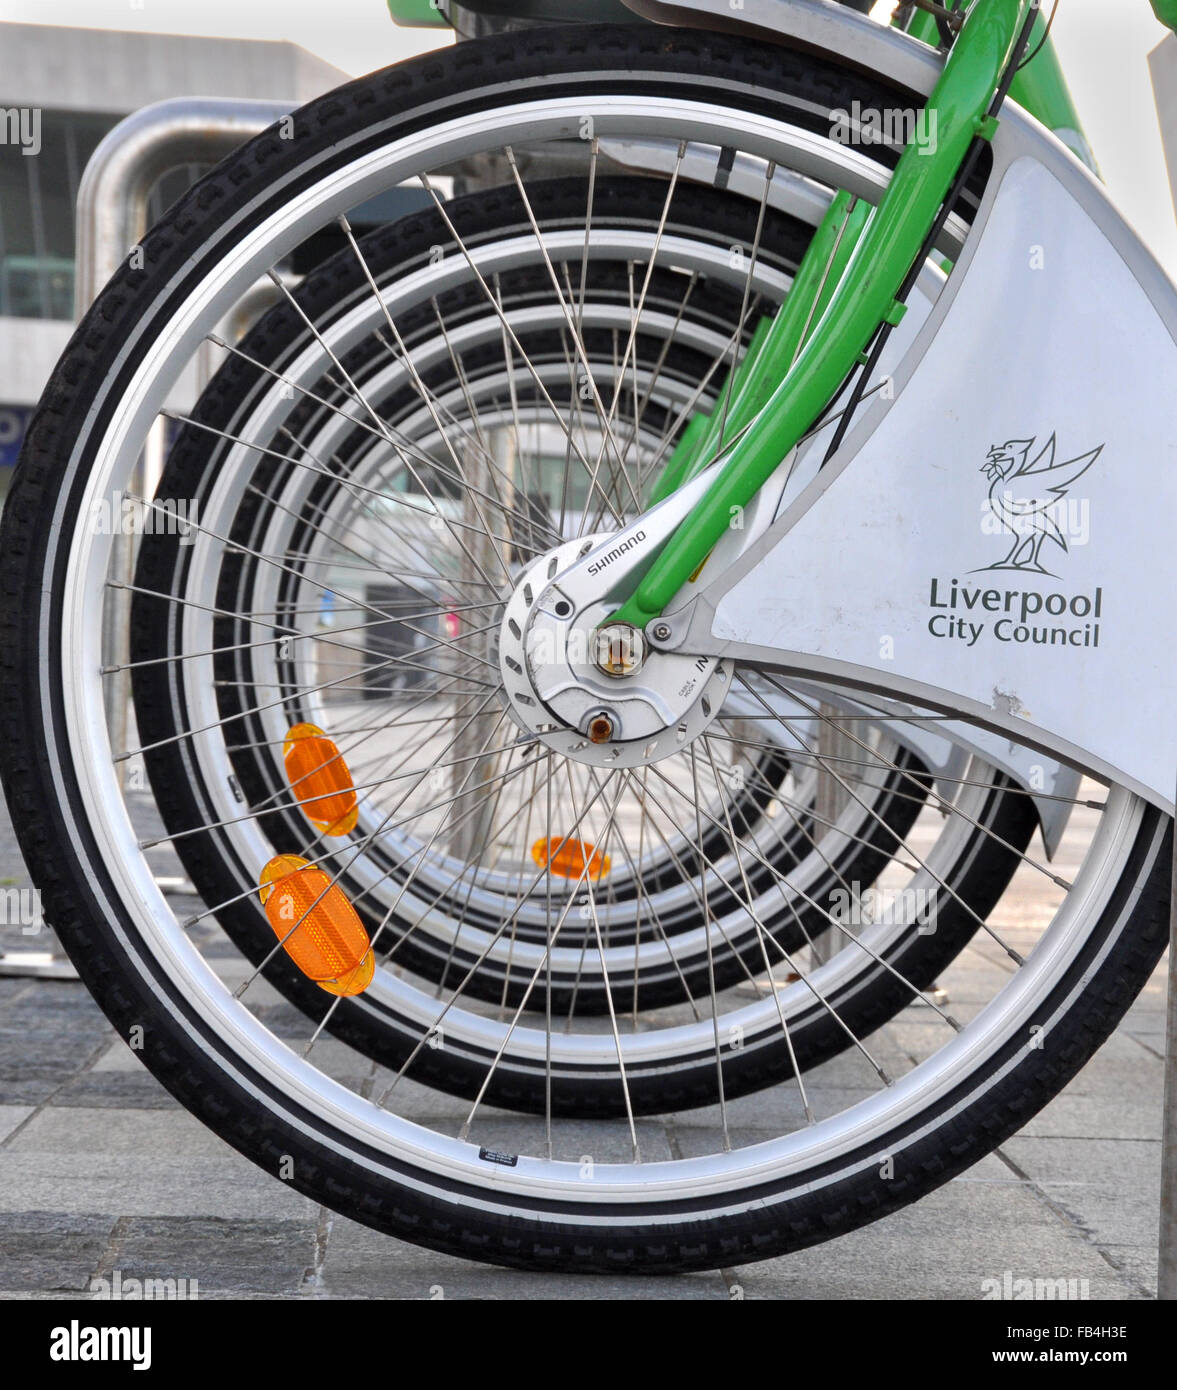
(1039, 87)
(1166, 12)
(863, 301)
(864, 298)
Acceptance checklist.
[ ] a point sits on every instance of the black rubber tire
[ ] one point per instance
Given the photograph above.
(471, 1212)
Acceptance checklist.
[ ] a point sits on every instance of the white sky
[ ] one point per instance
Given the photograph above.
(1103, 46)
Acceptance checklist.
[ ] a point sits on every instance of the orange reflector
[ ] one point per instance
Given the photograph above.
(317, 926)
(319, 779)
(569, 857)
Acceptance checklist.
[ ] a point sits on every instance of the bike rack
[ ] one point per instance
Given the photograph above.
(130, 160)
(1167, 1257)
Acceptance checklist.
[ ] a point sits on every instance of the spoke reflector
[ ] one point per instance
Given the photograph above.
(317, 926)
(320, 780)
(568, 858)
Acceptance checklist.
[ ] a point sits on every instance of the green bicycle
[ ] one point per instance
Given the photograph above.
(605, 644)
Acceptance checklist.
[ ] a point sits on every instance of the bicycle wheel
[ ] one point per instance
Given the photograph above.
(293, 528)
(518, 1191)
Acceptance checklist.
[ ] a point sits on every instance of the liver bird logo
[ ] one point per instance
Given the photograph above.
(1032, 520)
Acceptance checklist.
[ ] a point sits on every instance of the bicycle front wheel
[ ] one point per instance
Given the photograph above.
(755, 1178)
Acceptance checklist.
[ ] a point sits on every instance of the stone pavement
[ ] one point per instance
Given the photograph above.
(100, 1171)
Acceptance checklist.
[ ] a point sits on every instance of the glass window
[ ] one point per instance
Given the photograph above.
(42, 156)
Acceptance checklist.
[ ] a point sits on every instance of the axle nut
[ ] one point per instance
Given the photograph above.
(619, 649)
(600, 728)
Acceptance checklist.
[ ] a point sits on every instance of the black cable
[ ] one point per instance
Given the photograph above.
(1042, 44)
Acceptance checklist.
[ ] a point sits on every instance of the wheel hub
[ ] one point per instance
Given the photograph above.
(592, 690)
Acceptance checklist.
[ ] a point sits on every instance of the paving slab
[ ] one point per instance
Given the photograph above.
(1110, 1187)
(144, 1185)
(51, 1251)
(952, 1244)
(162, 1133)
(211, 1255)
(12, 1117)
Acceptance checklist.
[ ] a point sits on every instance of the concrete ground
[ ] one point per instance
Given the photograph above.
(101, 1171)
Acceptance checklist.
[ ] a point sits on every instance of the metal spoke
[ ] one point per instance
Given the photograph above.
(727, 1138)
(492, 300)
(947, 806)
(382, 426)
(846, 787)
(795, 968)
(605, 417)
(469, 975)
(772, 984)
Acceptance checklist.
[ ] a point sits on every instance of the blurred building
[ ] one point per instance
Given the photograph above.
(61, 91)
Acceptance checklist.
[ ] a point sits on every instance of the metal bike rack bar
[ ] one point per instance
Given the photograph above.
(111, 219)
(1167, 1252)
(116, 183)
(1163, 68)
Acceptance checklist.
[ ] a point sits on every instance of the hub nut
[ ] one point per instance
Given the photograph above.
(600, 727)
(619, 649)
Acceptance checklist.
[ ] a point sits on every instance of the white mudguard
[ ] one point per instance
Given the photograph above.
(1005, 522)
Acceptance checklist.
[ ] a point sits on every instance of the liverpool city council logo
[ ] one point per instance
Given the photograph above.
(1013, 469)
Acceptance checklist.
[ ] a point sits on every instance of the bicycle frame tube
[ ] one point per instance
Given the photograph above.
(1039, 87)
(1166, 12)
(862, 303)
(774, 346)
